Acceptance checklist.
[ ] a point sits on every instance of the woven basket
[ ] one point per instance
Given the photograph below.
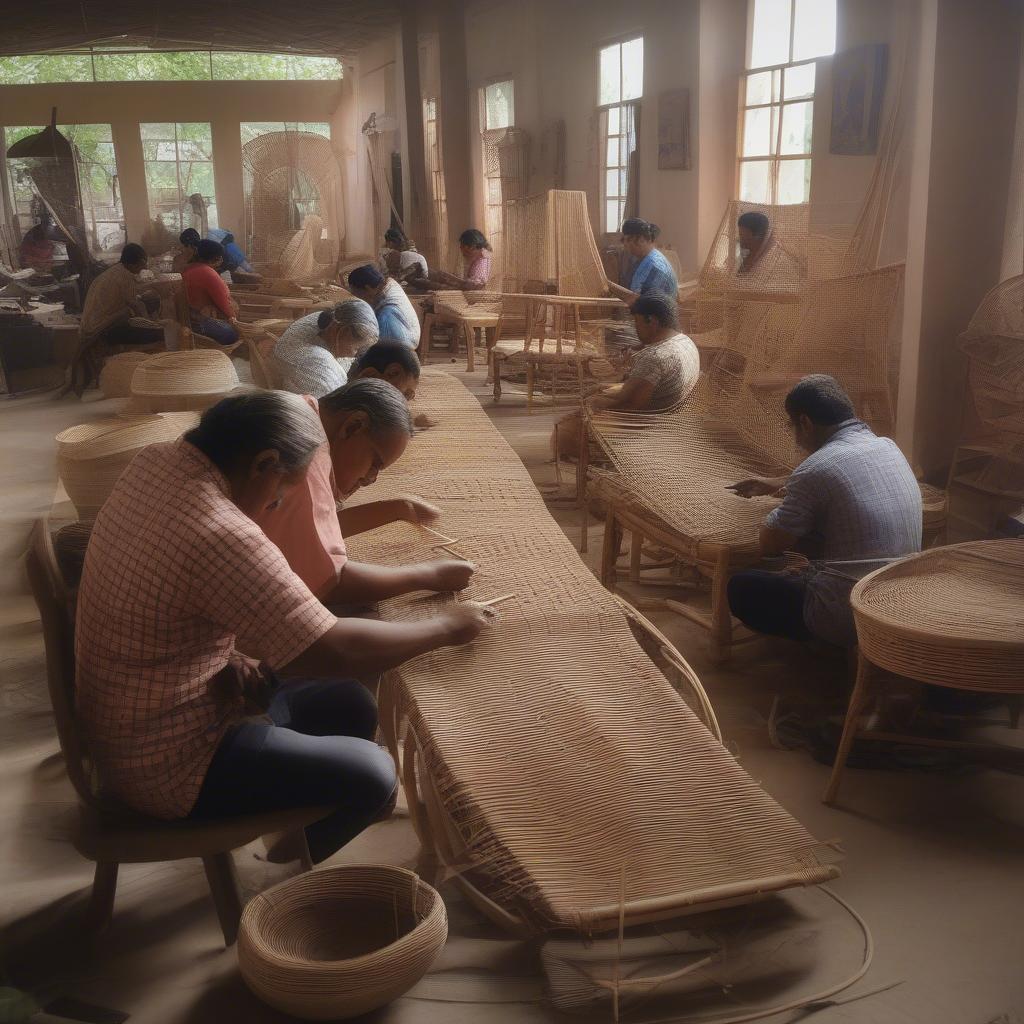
(91, 457)
(340, 942)
(116, 375)
(183, 381)
(953, 616)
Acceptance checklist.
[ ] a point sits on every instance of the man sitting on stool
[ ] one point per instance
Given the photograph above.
(854, 500)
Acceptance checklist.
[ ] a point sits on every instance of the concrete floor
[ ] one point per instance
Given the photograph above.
(933, 858)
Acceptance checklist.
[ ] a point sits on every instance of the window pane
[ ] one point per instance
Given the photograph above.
(800, 82)
(759, 88)
(615, 184)
(797, 124)
(794, 181)
(39, 68)
(613, 120)
(612, 153)
(612, 221)
(814, 28)
(770, 38)
(633, 69)
(757, 132)
(754, 178)
(498, 105)
(610, 80)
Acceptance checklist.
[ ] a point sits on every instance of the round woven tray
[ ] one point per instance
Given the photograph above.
(340, 942)
(91, 456)
(116, 375)
(183, 381)
(953, 616)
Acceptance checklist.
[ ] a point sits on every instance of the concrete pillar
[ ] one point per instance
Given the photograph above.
(227, 175)
(961, 162)
(454, 115)
(412, 125)
(131, 177)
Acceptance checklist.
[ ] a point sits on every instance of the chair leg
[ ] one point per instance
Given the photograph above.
(220, 873)
(470, 333)
(859, 697)
(529, 387)
(426, 331)
(721, 615)
(101, 901)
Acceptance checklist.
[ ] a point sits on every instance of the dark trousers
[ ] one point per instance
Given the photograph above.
(769, 602)
(219, 331)
(318, 749)
(127, 334)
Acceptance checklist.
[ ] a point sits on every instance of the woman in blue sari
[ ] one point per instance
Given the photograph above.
(653, 274)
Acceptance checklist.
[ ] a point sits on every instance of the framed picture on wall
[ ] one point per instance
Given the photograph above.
(674, 130)
(858, 88)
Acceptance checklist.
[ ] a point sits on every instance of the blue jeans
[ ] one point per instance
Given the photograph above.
(219, 330)
(769, 602)
(317, 749)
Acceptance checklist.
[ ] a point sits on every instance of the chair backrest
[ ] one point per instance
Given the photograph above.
(53, 600)
(261, 360)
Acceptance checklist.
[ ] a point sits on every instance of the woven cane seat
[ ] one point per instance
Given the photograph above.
(183, 381)
(340, 942)
(91, 456)
(952, 616)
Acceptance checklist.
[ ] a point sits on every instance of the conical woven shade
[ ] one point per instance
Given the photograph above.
(183, 381)
(116, 375)
(91, 456)
(340, 942)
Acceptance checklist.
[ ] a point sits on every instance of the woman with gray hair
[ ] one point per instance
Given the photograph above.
(189, 619)
(307, 353)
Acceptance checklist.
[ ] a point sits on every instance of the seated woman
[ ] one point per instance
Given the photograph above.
(396, 364)
(366, 427)
(396, 317)
(169, 677)
(235, 263)
(476, 258)
(189, 240)
(212, 311)
(653, 274)
(307, 353)
(661, 375)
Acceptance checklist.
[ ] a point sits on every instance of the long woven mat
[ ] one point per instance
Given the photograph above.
(576, 778)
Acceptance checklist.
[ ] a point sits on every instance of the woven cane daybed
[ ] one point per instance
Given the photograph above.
(952, 616)
(340, 942)
(550, 764)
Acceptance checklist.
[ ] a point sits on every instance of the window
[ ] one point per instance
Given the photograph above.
(499, 109)
(121, 64)
(179, 175)
(253, 129)
(497, 115)
(438, 253)
(777, 109)
(620, 86)
(97, 171)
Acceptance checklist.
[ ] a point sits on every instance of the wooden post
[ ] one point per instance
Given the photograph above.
(416, 216)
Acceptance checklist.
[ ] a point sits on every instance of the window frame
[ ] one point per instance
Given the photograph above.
(182, 204)
(603, 111)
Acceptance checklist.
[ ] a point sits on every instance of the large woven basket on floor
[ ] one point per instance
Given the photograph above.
(116, 375)
(182, 381)
(340, 942)
(91, 456)
(951, 615)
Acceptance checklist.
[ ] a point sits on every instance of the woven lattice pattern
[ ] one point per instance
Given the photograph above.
(571, 775)
(951, 615)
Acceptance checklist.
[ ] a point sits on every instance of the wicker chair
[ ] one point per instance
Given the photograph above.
(110, 835)
(465, 315)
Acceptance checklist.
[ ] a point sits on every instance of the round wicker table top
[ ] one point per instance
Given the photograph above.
(951, 616)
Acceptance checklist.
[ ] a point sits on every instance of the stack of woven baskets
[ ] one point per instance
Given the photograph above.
(182, 381)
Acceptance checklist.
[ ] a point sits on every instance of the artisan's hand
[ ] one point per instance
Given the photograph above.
(418, 512)
(754, 486)
(448, 575)
(463, 622)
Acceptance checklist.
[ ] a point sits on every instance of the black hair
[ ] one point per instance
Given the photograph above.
(756, 223)
(474, 239)
(394, 235)
(208, 250)
(385, 406)
(241, 426)
(366, 276)
(637, 227)
(190, 237)
(384, 354)
(821, 399)
(133, 253)
(660, 307)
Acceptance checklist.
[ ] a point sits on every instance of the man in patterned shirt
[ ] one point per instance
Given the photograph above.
(853, 501)
(179, 586)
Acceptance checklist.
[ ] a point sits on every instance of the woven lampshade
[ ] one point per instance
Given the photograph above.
(340, 942)
(183, 381)
(116, 375)
(91, 456)
(951, 615)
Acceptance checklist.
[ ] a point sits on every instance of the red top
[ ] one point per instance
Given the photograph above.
(206, 288)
